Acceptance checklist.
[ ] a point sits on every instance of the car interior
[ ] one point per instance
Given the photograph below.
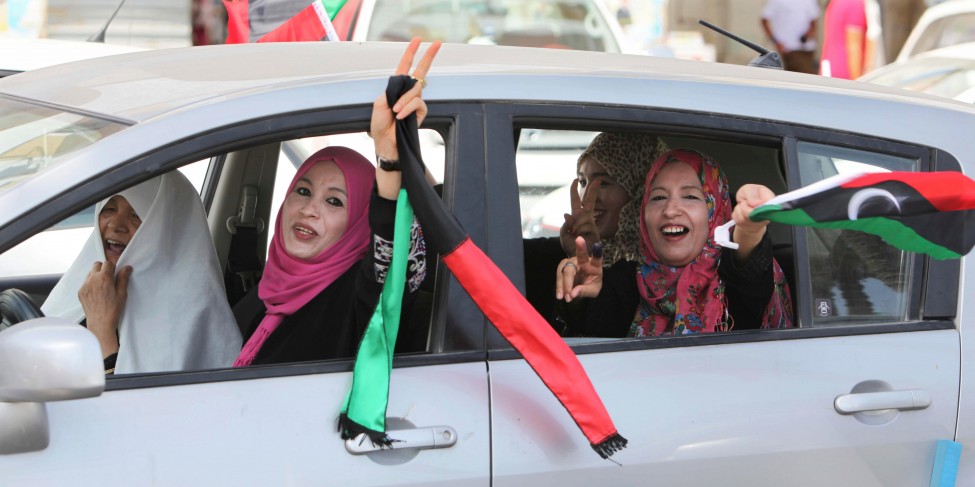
(852, 276)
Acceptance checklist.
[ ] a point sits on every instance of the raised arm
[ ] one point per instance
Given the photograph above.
(383, 125)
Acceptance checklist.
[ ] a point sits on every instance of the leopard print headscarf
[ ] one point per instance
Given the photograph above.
(627, 159)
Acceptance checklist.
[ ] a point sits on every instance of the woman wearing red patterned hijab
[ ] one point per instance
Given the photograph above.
(685, 282)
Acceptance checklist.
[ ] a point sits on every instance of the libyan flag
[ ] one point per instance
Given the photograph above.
(927, 212)
(316, 20)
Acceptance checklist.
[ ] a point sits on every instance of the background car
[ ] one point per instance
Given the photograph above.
(945, 24)
(565, 24)
(948, 72)
(877, 327)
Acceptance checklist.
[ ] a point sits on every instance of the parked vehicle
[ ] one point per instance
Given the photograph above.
(948, 72)
(941, 25)
(877, 327)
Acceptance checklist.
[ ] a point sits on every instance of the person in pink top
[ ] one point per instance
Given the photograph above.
(844, 39)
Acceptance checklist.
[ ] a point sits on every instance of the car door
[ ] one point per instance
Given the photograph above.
(857, 394)
(276, 425)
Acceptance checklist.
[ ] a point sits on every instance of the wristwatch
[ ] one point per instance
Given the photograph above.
(388, 164)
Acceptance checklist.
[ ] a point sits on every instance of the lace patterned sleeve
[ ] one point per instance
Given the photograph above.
(416, 267)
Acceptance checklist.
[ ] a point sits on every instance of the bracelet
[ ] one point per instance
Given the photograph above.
(387, 164)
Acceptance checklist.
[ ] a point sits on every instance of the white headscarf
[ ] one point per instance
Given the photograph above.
(176, 315)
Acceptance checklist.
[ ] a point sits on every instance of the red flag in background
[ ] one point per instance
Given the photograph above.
(238, 21)
(290, 20)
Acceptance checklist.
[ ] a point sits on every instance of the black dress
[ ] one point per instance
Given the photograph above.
(542, 257)
(748, 288)
(330, 326)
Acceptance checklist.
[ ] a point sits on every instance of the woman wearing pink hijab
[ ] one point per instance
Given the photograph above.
(683, 282)
(332, 246)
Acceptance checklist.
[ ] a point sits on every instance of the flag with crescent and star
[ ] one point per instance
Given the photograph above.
(927, 212)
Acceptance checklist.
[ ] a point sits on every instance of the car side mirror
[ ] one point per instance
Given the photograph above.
(46, 359)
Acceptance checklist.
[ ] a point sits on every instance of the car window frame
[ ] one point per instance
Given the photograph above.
(447, 320)
(928, 285)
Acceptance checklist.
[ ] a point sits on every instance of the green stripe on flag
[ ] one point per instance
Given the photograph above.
(892, 231)
(333, 7)
(369, 395)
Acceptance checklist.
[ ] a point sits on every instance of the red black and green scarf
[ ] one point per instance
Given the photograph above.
(491, 290)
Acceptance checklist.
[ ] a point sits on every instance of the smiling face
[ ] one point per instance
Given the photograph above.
(676, 214)
(611, 197)
(315, 214)
(117, 222)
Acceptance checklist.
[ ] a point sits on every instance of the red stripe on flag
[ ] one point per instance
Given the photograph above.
(533, 337)
(945, 190)
(238, 21)
(305, 26)
(345, 19)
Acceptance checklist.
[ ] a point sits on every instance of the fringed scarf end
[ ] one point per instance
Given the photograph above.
(351, 429)
(610, 445)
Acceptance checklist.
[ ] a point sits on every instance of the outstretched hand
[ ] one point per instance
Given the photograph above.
(580, 275)
(383, 125)
(102, 298)
(581, 222)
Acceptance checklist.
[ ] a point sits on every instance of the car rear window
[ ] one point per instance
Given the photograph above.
(35, 138)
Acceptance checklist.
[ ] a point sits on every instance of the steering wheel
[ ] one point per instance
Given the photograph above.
(16, 306)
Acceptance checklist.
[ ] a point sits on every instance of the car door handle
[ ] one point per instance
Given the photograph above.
(419, 438)
(876, 401)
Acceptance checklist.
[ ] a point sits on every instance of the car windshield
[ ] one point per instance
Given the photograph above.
(935, 76)
(34, 138)
(567, 24)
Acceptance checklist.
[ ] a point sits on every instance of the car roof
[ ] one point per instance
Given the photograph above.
(24, 54)
(140, 86)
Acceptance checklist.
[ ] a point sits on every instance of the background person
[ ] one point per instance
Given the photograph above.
(791, 26)
(845, 45)
(611, 173)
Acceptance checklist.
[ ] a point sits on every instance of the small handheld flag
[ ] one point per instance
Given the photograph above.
(927, 212)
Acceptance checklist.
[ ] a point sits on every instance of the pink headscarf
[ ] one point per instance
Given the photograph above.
(288, 282)
(691, 299)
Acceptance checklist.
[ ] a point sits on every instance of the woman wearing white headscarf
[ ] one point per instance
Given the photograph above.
(165, 308)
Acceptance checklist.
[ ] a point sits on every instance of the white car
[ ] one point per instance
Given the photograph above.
(945, 24)
(877, 371)
(948, 71)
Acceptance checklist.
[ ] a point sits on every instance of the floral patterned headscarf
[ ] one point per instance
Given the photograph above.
(626, 158)
(691, 299)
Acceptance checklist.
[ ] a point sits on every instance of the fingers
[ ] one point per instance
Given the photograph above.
(122, 282)
(582, 252)
(406, 61)
(423, 67)
(574, 200)
(564, 278)
(403, 108)
(589, 200)
(754, 195)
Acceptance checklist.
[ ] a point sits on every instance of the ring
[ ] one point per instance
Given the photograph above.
(423, 82)
(567, 265)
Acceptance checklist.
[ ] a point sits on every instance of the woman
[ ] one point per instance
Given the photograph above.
(166, 309)
(611, 174)
(683, 282)
(327, 261)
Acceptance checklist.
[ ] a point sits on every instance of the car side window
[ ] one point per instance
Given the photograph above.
(855, 276)
(548, 161)
(51, 252)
